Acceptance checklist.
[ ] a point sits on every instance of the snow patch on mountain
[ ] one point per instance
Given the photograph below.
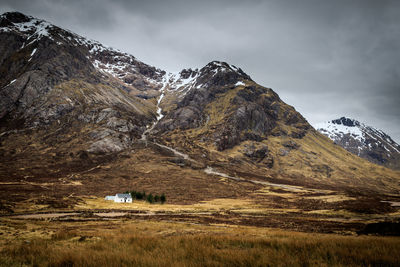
(182, 81)
(239, 83)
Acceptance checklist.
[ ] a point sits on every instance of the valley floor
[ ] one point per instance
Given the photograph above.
(209, 219)
(218, 232)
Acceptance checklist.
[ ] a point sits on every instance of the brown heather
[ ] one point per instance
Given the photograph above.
(135, 245)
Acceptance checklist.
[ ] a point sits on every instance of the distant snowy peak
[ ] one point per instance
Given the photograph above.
(362, 140)
(340, 127)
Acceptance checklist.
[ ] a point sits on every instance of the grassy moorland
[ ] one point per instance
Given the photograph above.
(149, 243)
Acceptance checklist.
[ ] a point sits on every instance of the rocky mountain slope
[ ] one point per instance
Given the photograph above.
(50, 75)
(362, 140)
(76, 111)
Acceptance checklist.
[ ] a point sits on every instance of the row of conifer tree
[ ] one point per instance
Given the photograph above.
(147, 197)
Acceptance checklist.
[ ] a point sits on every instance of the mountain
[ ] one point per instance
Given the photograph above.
(76, 112)
(50, 75)
(362, 140)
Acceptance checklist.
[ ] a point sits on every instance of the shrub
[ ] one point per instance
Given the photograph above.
(150, 198)
(156, 198)
(163, 199)
(133, 194)
(139, 195)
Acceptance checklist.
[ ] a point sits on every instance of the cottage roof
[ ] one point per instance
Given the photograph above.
(123, 195)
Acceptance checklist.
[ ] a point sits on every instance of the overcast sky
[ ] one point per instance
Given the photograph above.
(327, 58)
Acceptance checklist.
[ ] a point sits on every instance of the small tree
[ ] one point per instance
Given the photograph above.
(150, 198)
(156, 198)
(163, 199)
(139, 195)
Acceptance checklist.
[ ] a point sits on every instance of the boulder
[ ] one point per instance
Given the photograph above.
(108, 145)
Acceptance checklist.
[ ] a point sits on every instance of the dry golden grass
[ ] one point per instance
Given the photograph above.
(203, 206)
(241, 207)
(173, 244)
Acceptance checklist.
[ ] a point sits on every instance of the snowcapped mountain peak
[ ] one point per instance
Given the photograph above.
(222, 67)
(28, 26)
(215, 73)
(339, 128)
(362, 140)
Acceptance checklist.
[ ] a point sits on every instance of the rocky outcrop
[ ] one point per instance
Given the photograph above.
(256, 115)
(290, 144)
(346, 122)
(109, 145)
(259, 153)
(323, 169)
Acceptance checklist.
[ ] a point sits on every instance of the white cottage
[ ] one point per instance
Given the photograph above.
(123, 198)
